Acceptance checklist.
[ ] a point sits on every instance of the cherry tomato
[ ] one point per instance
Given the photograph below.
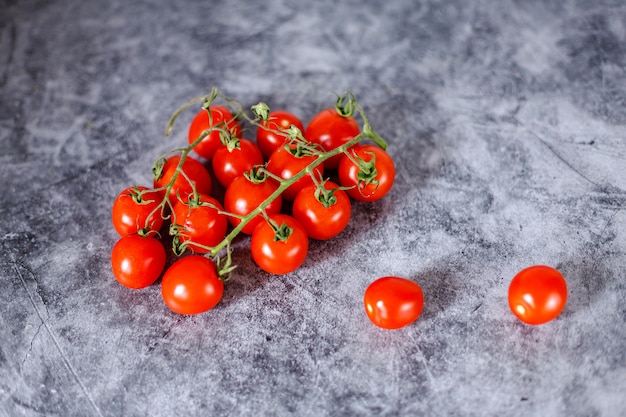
(323, 215)
(393, 302)
(537, 294)
(284, 164)
(191, 285)
(200, 222)
(135, 210)
(222, 119)
(193, 169)
(268, 140)
(137, 261)
(228, 164)
(377, 179)
(331, 130)
(279, 255)
(243, 196)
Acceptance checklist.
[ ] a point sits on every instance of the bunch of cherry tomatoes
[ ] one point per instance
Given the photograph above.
(279, 192)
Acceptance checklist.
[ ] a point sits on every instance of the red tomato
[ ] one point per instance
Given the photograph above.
(323, 216)
(331, 130)
(381, 174)
(285, 164)
(393, 302)
(222, 119)
(266, 137)
(137, 261)
(134, 211)
(243, 196)
(201, 224)
(279, 256)
(537, 294)
(194, 170)
(191, 285)
(228, 164)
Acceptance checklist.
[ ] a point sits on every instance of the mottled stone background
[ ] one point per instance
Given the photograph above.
(507, 121)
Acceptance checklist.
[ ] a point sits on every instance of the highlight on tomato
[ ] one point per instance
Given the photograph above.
(279, 245)
(137, 261)
(322, 209)
(191, 285)
(136, 210)
(393, 302)
(221, 120)
(537, 294)
(369, 171)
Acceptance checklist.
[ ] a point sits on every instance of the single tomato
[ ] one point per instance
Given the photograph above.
(393, 302)
(200, 223)
(229, 162)
(331, 130)
(280, 247)
(136, 209)
(194, 173)
(268, 135)
(324, 213)
(286, 163)
(537, 294)
(191, 285)
(221, 120)
(137, 261)
(244, 195)
(373, 179)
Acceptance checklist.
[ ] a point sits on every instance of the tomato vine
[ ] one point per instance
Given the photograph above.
(184, 184)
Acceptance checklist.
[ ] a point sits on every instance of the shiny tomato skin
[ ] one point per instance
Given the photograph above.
(285, 165)
(137, 261)
(267, 140)
(279, 257)
(196, 172)
(319, 221)
(130, 215)
(201, 224)
(537, 294)
(228, 164)
(220, 115)
(393, 302)
(386, 172)
(331, 130)
(243, 196)
(191, 285)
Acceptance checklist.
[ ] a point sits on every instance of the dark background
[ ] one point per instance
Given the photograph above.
(506, 120)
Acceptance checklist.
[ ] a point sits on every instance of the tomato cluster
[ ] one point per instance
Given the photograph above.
(290, 185)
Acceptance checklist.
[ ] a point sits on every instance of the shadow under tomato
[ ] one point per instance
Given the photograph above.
(440, 290)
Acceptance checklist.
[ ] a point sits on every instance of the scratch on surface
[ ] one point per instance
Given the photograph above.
(425, 363)
(566, 162)
(594, 267)
(44, 324)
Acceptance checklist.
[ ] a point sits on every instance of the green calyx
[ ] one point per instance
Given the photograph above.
(345, 105)
(261, 111)
(367, 171)
(281, 232)
(257, 174)
(157, 169)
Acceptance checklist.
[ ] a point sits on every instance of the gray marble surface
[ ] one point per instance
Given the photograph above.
(507, 121)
